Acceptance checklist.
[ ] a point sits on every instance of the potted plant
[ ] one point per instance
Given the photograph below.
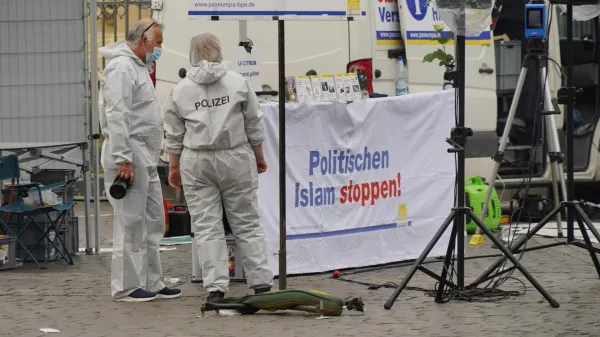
(440, 55)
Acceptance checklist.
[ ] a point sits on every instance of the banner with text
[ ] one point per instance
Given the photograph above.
(367, 183)
(284, 9)
(418, 20)
(387, 23)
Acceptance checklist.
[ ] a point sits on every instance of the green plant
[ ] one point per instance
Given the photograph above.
(445, 59)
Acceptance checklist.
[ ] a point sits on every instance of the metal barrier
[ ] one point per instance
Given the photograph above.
(114, 20)
(116, 17)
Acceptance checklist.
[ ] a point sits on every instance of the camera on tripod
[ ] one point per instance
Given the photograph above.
(536, 25)
(535, 20)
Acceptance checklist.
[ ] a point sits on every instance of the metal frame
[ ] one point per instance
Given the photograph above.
(111, 10)
(28, 152)
(458, 140)
(553, 145)
(566, 95)
(92, 117)
(94, 129)
(282, 141)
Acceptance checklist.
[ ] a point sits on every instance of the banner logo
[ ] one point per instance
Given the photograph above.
(417, 8)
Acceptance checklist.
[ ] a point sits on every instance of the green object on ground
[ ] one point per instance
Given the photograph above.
(290, 299)
(476, 190)
(176, 240)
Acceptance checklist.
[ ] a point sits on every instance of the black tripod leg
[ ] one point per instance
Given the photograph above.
(439, 298)
(516, 246)
(390, 302)
(514, 261)
(586, 238)
(579, 211)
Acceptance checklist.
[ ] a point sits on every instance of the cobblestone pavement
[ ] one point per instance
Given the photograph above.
(75, 300)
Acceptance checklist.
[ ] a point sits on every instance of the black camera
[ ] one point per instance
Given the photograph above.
(119, 188)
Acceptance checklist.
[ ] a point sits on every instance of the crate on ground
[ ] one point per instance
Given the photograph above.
(8, 254)
(71, 236)
(180, 223)
(40, 218)
(45, 251)
(508, 65)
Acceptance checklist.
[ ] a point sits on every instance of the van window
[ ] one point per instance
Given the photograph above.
(584, 36)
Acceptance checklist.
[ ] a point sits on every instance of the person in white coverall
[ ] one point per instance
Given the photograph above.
(132, 129)
(214, 134)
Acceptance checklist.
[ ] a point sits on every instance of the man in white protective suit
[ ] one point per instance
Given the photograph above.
(132, 129)
(214, 134)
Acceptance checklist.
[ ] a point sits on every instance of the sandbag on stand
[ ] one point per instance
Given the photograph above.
(311, 301)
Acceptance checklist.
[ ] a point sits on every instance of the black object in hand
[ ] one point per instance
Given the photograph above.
(119, 188)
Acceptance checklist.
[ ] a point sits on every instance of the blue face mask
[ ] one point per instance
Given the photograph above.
(154, 56)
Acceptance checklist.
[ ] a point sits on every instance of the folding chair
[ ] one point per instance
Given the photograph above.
(9, 169)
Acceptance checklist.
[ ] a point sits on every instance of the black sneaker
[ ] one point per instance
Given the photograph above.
(215, 297)
(262, 290)
(138, 295)
(169, 293)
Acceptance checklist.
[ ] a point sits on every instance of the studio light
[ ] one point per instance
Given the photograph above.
(465, 17)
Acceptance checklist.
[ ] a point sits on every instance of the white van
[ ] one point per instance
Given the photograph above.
(491, 73)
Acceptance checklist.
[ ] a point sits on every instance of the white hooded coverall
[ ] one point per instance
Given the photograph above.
(212, 119)
(132, 129)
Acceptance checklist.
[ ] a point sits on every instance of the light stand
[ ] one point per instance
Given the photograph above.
(282, 167)
(535, 52)
(573, 208)
(457, 216)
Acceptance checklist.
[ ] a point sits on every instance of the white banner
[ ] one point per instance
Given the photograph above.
(418, 22)
(367, 183)
(387, 23)
(285, 9)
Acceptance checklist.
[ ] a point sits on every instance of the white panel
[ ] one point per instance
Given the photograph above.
(42, 97)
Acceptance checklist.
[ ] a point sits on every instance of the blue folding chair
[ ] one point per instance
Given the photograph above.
(9, 170)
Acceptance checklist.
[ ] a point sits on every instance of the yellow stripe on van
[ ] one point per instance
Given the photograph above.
(389, 42)
(433, 42)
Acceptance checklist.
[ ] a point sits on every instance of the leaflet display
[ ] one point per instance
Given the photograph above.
(328, 86)
(342, 88)
(316, 86)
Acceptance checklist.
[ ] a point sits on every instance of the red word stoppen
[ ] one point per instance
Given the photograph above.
(371, 191)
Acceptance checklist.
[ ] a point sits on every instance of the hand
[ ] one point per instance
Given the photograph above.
(125, 171)
(261, 164)
(174, 177)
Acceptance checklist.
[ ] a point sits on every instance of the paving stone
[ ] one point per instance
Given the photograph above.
(76, 300)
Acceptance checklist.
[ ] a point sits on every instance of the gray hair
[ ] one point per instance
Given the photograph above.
(136, 32)
(205, 47)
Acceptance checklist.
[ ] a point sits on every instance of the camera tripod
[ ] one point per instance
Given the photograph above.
(460, 212)
(550, 108)
(566, 95)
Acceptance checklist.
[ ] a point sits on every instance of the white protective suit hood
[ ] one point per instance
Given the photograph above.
(212, 109)
(116, 49)
(207, 72)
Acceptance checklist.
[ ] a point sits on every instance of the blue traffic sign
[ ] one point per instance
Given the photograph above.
(417, 8)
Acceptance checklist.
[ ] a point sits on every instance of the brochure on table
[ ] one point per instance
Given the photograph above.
(341, 88)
